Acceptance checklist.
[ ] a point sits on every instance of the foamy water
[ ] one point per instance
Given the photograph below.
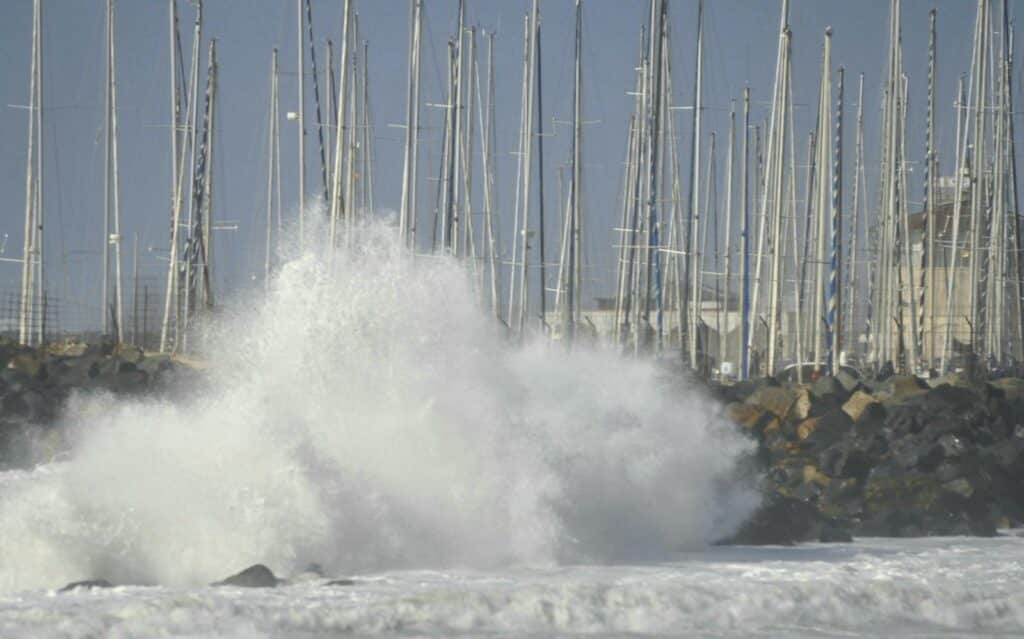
(367, 418)
(910, 588)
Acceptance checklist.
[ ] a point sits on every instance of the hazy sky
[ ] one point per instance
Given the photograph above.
(740, 50)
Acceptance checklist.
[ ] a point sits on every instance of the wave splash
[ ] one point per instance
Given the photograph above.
(365, 416)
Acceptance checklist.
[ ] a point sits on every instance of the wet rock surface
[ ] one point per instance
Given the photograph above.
(36, 383)
(255, 576)
(89, 584)
(890, 456)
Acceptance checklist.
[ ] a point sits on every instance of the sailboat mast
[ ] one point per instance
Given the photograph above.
(301, 72)
(114, 238)
(575, 188)
(31, 254)
(539, 79)
(338, 205)
(693, 222)
(272, 147)
(835, 303)
(105, 310)
(172, 267)
(745, 241)
(723, 342)
(407, 215)
(316, 99)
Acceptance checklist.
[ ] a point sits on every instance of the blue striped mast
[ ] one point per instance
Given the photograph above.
(834, 331)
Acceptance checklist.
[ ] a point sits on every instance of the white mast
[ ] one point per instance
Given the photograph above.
(111, 191)
(723, 342)
(338, 207)
(32, 251)
(693, 259)
(271, 166)
(486, 156)
(772, 190)
(301, 64)
(171, 287)
(407, 216)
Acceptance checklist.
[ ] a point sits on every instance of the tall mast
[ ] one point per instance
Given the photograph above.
(519, 222)
(301, 71)
(448, 154)
(927, 298)
(113, 215)
(32, 251)
(723, 342)
(745, 242)
(206, 226)
(976, 108)
(468, 233)
(316, 99)
(172, 265)
(105, 310)
(193, 134)
(824, 199)
(776, 179)
(771, 188)
(487, 155)
(407, 216)
(351, 142)
(571, 266)
(366, 134)
(693, 222)
(1017, 244)
(960, 177)
(338, 208)
(835, 303)
(538, 77)
(332, 116)
(658, 26)
(272, 148)
(531, 86)
(858, 179)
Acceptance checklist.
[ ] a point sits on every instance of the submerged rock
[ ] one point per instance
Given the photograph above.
(88, 584)
(340, 582)
(255, 576)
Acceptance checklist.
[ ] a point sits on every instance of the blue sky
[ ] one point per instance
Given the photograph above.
(741, 44)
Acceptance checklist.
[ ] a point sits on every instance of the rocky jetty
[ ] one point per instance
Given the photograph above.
(895, 456)
(35, 384)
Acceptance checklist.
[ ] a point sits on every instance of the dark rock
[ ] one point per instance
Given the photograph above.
(899, 387)
(860, 403)
(828, 386)
(849, 379)
(782, 521)
(777, 399)
(821, 432)
(88, 584)
(153, 364)
(886, 371)
(834, 534)
(128, 353)
(30, 364)
(749, 416)
(947, 397)
(341, 582)
(255, 576)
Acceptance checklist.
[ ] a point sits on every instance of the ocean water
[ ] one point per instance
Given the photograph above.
(365, 415)
(954, 587)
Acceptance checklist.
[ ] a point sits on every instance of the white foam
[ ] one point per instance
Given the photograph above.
(912, 588)
(369, 419)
